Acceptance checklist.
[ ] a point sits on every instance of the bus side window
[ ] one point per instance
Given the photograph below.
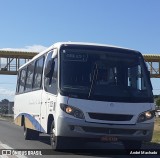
(50, 74)
(37, 81)
(18, 81)
(22, 80)
(29, 79)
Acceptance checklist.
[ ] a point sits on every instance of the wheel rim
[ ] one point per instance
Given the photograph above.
(53, 140)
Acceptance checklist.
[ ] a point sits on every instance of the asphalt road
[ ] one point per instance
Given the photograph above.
(11, 136)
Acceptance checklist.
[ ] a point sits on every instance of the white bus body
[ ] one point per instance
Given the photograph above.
(89, 91)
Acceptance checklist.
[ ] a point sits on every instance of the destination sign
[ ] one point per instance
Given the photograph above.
(82, 57)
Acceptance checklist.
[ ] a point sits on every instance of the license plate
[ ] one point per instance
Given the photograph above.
(109, 139)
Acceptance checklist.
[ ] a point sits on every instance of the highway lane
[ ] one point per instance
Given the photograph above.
(12, 135)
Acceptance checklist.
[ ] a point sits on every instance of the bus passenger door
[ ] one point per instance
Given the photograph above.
(50, 88)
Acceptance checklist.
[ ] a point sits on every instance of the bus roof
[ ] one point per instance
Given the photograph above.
(58, 45)
(89, 44)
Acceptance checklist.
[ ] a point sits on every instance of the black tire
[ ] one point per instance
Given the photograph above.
(130, 145)
(30, 134)
(57, 143)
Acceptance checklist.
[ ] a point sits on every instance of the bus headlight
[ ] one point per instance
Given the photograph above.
(146, 116)
(72, 111)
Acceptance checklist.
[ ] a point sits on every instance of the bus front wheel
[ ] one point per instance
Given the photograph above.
(57, 143)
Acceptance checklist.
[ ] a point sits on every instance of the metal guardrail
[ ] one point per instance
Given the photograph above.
(6, 115)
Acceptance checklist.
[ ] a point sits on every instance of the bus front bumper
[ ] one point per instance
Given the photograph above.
(68, 127)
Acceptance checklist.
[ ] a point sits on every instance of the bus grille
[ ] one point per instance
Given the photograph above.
(110, 117)
(108, 131)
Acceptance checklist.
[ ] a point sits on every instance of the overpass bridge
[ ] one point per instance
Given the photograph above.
(10, 61)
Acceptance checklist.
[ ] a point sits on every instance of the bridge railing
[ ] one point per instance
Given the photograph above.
(10, 61)
(153, 63)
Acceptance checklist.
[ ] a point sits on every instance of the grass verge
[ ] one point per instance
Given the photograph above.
(9, 118)
(156, 133)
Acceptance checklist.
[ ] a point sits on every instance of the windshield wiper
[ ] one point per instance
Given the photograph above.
(94, 78)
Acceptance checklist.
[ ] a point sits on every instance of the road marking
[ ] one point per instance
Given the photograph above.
(6, 147)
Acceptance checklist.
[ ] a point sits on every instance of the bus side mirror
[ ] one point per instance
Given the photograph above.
(50, 70)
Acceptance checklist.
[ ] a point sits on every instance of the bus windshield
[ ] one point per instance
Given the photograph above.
(108, 74)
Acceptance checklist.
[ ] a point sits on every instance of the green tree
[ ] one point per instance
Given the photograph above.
(158, 102)
(5, 101)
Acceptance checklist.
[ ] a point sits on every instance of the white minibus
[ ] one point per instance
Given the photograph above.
(85, 92)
